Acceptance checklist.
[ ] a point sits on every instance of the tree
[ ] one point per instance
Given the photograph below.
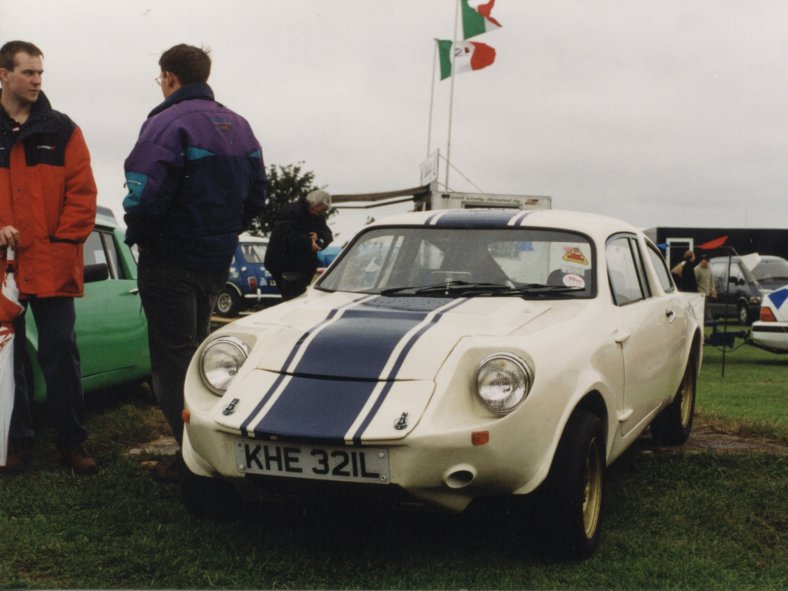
(285, 185)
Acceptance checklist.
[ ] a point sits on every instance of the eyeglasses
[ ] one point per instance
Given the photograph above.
(160, 78)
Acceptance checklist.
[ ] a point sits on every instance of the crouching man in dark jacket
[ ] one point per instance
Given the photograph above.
(299, 233)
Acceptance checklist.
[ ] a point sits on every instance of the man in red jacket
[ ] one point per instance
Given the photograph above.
(47, 211)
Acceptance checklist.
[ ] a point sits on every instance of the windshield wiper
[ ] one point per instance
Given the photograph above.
(463, 288)
(539, 290)
(455, 287)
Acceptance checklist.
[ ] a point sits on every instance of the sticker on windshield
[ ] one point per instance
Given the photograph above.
(573, 280)
(575, 255)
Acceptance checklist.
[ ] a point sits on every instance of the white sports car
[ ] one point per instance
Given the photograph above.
(771, 331)
(452, 355)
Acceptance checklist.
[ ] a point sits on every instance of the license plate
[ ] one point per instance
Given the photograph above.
(350, 464)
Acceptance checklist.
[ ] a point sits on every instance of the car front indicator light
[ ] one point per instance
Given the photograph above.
(502, 382)
(220, 362)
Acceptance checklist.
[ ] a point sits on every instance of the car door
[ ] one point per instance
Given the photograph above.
(648, 328)
(111, 327)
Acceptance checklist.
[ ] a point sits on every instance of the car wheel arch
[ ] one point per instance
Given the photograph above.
(562, 498)
(594, 403)
(229, 301)
(234, 287)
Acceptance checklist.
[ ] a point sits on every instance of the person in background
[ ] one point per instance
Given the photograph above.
(676, 273)
(47, 211)
(196, 178)
(688, 282)
(705, 282)
(299, 233)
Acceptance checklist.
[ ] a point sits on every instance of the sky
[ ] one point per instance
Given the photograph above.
(669, 113)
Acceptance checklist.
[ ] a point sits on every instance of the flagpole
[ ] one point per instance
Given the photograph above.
(432, 97)
(451, 92)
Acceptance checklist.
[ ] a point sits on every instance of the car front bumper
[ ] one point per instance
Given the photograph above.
(447, 470)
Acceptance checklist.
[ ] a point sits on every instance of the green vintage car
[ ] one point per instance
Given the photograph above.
(112, 333)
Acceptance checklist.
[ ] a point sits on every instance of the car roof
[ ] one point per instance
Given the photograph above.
(761, 257)
(105, 217)
(595, 225)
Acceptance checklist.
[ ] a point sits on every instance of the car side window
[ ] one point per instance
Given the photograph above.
(100, 249)
(625, 271)
(719, 272)
(93, 251)
(737, 274)
(111, 250)
(661, 268)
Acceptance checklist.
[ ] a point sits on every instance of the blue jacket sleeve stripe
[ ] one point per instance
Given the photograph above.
(193, 153)
(135, 182)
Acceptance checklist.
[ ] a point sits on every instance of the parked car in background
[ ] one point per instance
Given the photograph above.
(248, 283)
(770, 332)
(111, 329)
(771, 272)
(738, 291)
(450, 356)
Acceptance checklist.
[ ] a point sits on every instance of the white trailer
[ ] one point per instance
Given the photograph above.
(355, 211)
(452, 200)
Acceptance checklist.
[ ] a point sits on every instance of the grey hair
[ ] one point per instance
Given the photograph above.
(319, 198)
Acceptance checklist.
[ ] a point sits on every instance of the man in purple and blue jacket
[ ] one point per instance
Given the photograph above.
(196, 178)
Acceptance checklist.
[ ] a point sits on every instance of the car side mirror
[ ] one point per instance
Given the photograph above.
(98, 272)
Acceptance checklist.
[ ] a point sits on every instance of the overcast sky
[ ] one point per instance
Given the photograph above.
(669, 112)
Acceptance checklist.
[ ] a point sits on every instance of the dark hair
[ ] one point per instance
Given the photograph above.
(190, 64)
(9, 50)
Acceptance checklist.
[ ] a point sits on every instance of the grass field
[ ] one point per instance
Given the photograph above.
(672, 520)
(751, 393)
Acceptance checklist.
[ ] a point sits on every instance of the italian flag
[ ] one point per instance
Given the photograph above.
(476, 18)
(469, 56)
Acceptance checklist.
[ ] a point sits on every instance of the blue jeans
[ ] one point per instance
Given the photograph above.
(58, 357)
(178, 305)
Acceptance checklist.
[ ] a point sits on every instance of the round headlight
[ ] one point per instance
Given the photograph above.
(502, 382)
(220, 361)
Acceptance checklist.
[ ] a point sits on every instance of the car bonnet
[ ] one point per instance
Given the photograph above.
(377, 356)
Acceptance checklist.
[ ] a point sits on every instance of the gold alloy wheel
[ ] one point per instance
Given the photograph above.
(592, 493)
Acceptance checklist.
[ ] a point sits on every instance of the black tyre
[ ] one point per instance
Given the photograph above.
(571, 497)
(207, 497)
(743, 314)
(228, 303)
(673, 425)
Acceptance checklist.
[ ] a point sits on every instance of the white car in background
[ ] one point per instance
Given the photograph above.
(771, 331)
(449, 356)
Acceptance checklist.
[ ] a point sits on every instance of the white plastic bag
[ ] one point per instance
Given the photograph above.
(6, 388)
(10, 308)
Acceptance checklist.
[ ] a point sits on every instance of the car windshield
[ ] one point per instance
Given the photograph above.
(771, 270)
(462, 262)
(254, 252)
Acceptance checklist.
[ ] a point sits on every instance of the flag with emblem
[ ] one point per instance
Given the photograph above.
(469, 56)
